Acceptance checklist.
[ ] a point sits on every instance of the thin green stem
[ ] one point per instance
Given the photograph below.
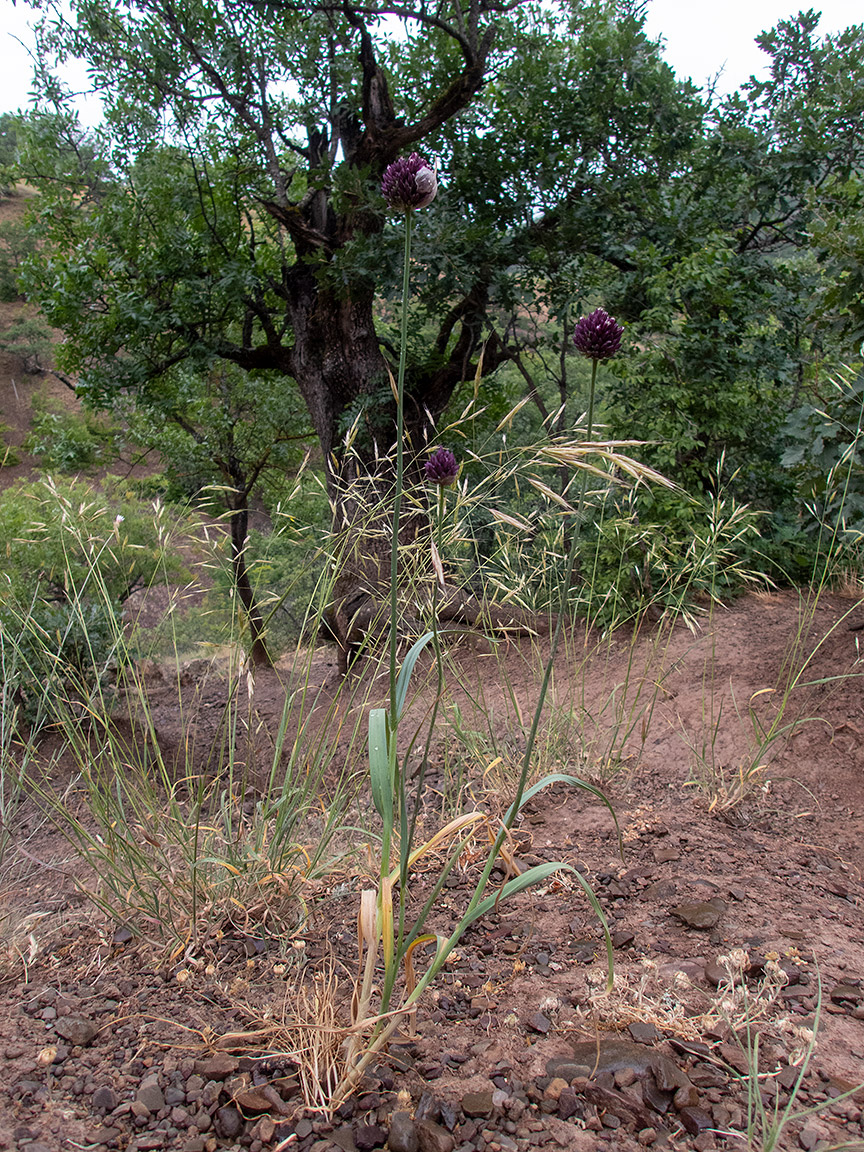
(547, 675)
(400, 469)
(439, 665)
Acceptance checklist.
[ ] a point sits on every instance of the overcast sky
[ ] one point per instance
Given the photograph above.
(701, 39)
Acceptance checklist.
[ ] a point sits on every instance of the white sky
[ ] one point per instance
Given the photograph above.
(700, 39)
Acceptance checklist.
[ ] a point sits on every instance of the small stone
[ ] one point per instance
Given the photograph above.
(666, 855)
(812, 1133)
(477, 1104)
(566, 1068)
(150, 1094)
(643, 1032)
(217, 1067)
(537, 1022)
(667, 1074)
(704, 914)
(687, 1096)
(76, 1029)
(228, 1122)
(403, 1133)
(716, 974)
(569, 1103)
(846, 993)
(695, 1120)
(623, 939)
(104, 1099)
(368, 1136)
(555, 1087)
(647, 1136)
(434, 1138)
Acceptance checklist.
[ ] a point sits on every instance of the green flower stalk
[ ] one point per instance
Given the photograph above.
(408, 183)
(597, 337)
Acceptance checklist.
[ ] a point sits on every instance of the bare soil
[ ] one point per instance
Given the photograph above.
(112, 1042)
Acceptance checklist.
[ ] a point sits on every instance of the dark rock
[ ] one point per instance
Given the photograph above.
(150, 1094)
(716, 974)
(566, 1068)
(569, 1103)
(217, 1067)
(667, 1074)
(623, 939)
(104, 1099)
(428, 1107)
(403, 1133)
(655, 1098)
(537, 1022)
(368, 1136)
(448, 1116)
(433, 1138)
(846, 993)
(303, 1128)
(643, 1032)
(477, 1104)
(76, 1029)
(695, 1120)
(705, 914)
(611, 1055)
(228, 1122)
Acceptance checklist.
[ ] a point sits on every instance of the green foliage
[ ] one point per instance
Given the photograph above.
(28, 338)
(9, 456)
(824, 455)
(17, 244)
(70, 441)
(8, 152)
(57, 534)
(73, 556)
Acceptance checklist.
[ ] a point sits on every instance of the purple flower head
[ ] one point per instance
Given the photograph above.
(409, 182)
(441, 468)
(598, 336)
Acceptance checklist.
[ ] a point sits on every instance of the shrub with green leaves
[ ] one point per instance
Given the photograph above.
(824, 454)
(70, 441)
(74, 555)
(28, 338)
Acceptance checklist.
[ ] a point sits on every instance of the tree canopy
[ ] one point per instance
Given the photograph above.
(222, 241)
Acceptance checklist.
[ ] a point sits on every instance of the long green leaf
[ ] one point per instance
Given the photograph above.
(406, 670)
(537, 875)
(379, 766)
(562, 778)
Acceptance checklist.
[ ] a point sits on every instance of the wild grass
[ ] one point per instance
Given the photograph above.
(775, 712)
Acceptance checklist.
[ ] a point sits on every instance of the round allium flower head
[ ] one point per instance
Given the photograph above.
(598, 336)
(441, 468)
(409, 182)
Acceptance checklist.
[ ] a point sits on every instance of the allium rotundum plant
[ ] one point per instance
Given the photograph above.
(409, 183)
(442, 468)
(386, 931)
(598, 336)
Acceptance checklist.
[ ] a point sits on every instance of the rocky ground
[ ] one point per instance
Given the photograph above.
(727, 925)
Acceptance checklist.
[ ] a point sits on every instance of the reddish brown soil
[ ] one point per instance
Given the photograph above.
(783, 867)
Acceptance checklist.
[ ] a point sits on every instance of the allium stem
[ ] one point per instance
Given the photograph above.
(400, 469)
(513, 811)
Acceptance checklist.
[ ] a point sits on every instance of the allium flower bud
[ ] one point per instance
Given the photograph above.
(598, 336)
(441, 468)
(409, 182)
